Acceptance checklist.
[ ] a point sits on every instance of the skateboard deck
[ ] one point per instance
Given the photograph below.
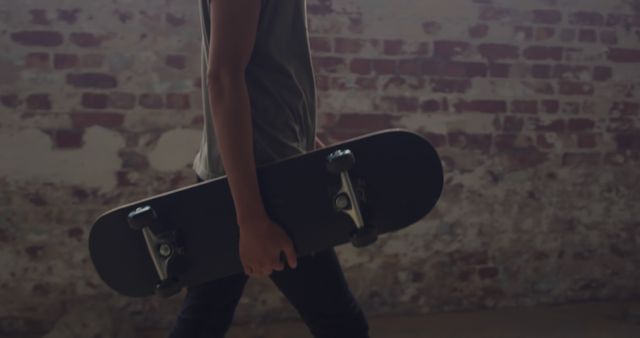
(347, 192)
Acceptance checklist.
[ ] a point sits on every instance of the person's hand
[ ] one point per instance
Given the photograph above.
(260, 246)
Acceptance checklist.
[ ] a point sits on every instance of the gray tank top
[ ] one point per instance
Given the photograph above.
(280, 83)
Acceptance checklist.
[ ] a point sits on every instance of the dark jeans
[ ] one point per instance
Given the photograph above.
(316, 288)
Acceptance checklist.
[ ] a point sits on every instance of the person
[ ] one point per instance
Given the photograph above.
(259, 106)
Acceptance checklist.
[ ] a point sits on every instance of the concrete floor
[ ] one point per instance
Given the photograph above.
(590, 320)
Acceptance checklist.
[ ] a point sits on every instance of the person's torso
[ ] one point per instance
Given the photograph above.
(280, 84)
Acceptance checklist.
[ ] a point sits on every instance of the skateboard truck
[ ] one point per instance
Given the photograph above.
(340, 162)
(164, 248)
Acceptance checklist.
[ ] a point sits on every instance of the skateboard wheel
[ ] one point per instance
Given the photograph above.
(342, 202)
(167, 288)
(364, 237)
(141, 218)
(340, 160)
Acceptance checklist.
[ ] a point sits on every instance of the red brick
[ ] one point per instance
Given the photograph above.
(328, 64)
(580, 124)
(542, 142)
(39, 102)
(481, 106)
(609, 37)
(401, 103)
(549, 106)
(587, 141)
(174, 20)
(512, 124)
(384, 67)
(455, 69)
(621, 124)
(322, 82)
(356, 25)
(628, 141)
(557, 126)
(524, 107)
(575, 88)
(65, 61)
(569, 72)
(541, 87)
(625, 108)
(319, 8)
(150, 101)
(448, 49)
(624, 20)
(107, 120)
(393, 47)
(95, 101)
(431, 27)
(68, 138)
(134, 160)
(360, 66)
(38, 38)
(176, 61)
(583, 18)
(320, 44)
(69, 16)
(504, 142)
(430, 106)
(543, 53)
(539, 71)
(523, 33)
(602, 73)
(624, 55)
(587, 36)
(495, 51)
(499, 70)
(367, 83)
(570, 108)
(37, 60)
(544, 34)
(92, 80)
(348, 46)
(546, 16)
(580, 159)
(123, 16)
(450, 85)
(479, 31)
(39, 17)
(178, 101)
(410, 67)
(121, 100)
(10, 100)
(86, 40)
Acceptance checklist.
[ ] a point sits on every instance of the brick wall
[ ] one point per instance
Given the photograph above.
(533, 105)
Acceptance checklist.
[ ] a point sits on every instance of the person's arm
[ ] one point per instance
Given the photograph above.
(234, 25)
(233, 33)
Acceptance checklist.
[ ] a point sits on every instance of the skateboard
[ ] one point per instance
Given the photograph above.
(349, 192)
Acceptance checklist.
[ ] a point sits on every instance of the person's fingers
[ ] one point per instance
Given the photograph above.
(278, 263)
(290, 252)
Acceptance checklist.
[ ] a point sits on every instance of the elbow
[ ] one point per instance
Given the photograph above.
(224, 76)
